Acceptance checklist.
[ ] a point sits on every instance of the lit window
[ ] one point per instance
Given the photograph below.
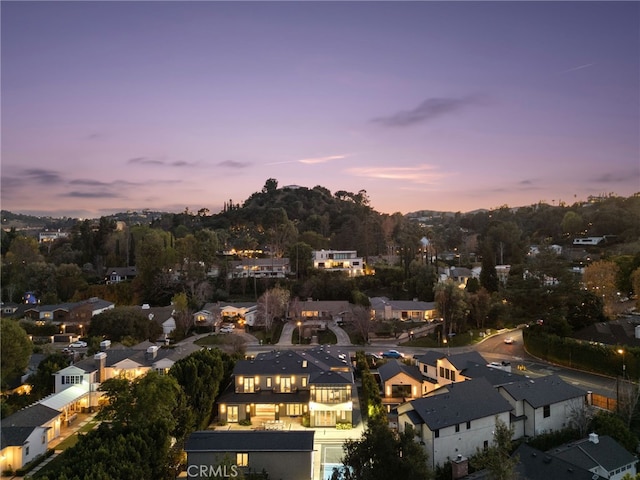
(242, 459)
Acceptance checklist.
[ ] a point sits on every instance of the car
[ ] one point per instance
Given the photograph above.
(392, 354)
(78, 344)
(375, 356)
(226, 329)
(508, 340)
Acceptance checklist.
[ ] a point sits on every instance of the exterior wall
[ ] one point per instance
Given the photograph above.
(69, 377)
(339, 260)
(279, 465)
(403, 379)
(15, 457)
(450, 443)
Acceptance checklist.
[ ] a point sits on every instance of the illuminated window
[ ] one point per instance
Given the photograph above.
(242, 459)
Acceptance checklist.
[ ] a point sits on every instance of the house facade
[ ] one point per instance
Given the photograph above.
(346, 261)
(456, 420)
(285, 455)
(25, 435)
(542, 405)
(404, 310)
(315, 384)
(259, 268)
(400, 382)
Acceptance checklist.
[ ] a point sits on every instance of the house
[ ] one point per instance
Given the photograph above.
(68, 313)
(25, 435)
(320, 310)
(588, 241)
(441, 369)
(47, 236)
(455, 420)
(534, 464)
(600, 455)
(259, 268)
(83, 379)
(163, 316)
(404, 310)
(120, 274)
(542, 405)
(316, 384)
(346, 261)
(400, 382)
(285, 455)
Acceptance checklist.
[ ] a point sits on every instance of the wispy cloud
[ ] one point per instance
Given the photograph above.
(429, 110)
(234, 164)
(159, 162)
(312, 160)
(330, 158)
(422, 174)
(616, 177)
(92, 194)
(40, 175)
(579, 67)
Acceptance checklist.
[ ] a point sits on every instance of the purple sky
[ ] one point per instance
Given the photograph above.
(456, 106)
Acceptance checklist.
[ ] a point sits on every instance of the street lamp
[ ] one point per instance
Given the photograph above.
(299, 332)
(624, 366)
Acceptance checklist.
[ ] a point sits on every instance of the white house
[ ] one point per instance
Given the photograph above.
(346, 261)
(455, 420)
(25, 435)
(542, 405)
(403, 310)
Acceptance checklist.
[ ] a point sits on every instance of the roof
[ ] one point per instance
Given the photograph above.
(495, 376)
(430, 358)
(462, 402)
(14, 436)
(394, 367)
(32, 416)
(263, 396)
(543, 391)
(249, 441)
(318, 360)
(378, 303)
(587, 454)
(61, 399)
(463, 360)
(536, 465)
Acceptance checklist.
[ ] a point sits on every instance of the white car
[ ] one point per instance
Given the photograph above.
(508, 340)
(226, 329)
(78, 344)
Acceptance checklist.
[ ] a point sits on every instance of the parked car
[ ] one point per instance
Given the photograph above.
(508, 340)
(226, 329)
(392, 354)
(78, 344)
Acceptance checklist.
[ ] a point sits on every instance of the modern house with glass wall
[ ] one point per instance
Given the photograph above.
(314, 387)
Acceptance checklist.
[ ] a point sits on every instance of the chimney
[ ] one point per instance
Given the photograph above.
(152, 352)
(104, 345)
(459, 467)
(101, 361)
(593, 438)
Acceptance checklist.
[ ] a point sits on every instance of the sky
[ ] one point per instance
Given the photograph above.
(449, 106)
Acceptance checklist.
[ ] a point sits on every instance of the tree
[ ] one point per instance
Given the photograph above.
(361, 320)
(497, 458)
(120, 322)
(600, 279)
(200, 376)
(381, 454)
(42, 381)
(15, 350)
(451, 305)
(271, 185)
(608, 423)
(488, 274)
(272, 304)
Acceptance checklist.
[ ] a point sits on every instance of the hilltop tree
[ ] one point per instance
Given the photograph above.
(600, 279)
(15, 352)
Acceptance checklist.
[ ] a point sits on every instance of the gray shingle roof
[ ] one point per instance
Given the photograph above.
(249, 441)
(32, 416)
(395, 367)
(495, 376)
(14, 436)
(586, 454)
(543, 391)
(463, 402)
(536, 465)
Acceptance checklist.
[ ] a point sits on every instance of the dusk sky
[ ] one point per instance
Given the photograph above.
(455, 106)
